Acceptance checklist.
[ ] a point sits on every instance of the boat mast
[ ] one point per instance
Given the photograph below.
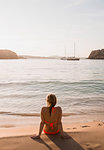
(74, 49)
(65, 52)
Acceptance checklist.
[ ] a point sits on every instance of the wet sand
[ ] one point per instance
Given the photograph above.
(84, 136)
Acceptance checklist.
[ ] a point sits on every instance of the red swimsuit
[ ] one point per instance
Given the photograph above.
(51, 124)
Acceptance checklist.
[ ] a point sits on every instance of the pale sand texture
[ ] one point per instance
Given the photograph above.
(86, 136)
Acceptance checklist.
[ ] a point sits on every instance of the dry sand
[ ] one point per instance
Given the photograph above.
(85, 136)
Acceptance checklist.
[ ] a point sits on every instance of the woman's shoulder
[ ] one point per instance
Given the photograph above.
(58, 108)
(43, 108)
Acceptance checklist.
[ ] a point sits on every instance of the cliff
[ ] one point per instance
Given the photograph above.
(8, 54)
(97, 54)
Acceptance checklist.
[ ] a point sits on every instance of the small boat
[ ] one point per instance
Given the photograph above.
(63, 58)
(73, 58)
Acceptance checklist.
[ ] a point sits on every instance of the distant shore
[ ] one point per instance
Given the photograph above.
(38, 57)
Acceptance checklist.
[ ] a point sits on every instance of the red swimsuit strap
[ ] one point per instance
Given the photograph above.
(51, 132)
(52, 122)
(53, 110)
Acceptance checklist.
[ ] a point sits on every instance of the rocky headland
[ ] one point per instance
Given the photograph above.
(97, 54)
(8, 54)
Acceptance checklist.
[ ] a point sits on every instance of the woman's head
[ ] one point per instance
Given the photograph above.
(51, 100)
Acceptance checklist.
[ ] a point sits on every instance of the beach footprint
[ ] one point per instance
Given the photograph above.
(68, 128)
(90, 146)
(84, 126)
(100, 124)
(74, 128)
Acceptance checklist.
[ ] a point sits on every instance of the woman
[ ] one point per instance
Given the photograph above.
(51, 118)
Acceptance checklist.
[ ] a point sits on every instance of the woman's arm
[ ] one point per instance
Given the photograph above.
(60, 127)
(41, 126)
(60, 123)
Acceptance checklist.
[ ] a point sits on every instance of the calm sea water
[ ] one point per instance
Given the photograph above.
(78, 85)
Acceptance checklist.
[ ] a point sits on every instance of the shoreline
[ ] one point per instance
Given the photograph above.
(8, 121)
(31, 114)
(86, 136)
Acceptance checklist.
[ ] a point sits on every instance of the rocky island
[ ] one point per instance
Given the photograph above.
(97, 54)
(8, 54)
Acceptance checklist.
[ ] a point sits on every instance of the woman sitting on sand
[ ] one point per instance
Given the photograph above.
(51, 118)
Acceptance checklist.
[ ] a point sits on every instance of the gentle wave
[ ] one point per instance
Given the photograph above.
(78, 100)
(32, 114)
(64, 114)
(89, 100)
(16, 96)
(53, 82)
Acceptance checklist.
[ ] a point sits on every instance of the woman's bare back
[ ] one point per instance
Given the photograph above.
(51, 121)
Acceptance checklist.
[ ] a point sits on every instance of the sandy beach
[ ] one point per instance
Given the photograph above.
(84, 136)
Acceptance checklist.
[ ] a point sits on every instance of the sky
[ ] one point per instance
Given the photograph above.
(51, 27)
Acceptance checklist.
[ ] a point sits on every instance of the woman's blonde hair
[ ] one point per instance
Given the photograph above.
(51, 100)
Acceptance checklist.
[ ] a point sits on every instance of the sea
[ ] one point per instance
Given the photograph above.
(25, 83)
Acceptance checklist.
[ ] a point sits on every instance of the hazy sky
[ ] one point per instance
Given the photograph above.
(47, 27)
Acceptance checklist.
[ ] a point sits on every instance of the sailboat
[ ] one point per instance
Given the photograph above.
(73, 58)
